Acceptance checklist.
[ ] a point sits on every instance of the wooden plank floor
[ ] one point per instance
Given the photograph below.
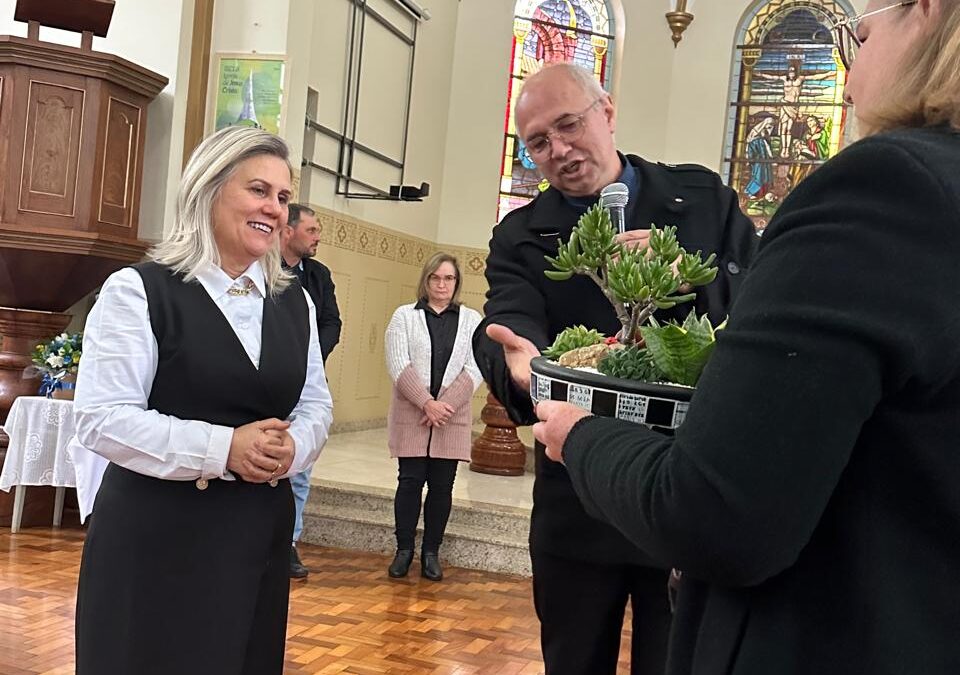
(348, 617)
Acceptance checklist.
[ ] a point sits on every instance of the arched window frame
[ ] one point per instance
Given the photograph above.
(746, 113)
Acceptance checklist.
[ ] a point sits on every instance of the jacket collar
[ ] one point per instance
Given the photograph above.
(551, 213)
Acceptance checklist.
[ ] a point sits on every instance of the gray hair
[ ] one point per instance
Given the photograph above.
(577, 74)
(190, 244)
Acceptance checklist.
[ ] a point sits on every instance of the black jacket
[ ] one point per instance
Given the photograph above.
(707, 217)
(320, 287)
(812, 496)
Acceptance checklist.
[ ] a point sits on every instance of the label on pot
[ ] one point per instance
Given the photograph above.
(632, 407)
(580, 396)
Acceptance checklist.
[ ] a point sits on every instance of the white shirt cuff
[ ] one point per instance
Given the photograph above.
(218, 449)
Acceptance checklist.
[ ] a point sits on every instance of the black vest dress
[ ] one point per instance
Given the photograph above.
(175, 579)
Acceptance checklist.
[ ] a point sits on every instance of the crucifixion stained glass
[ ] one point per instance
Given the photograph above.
(787, 113)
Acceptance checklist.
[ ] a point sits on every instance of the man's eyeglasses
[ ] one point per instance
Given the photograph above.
(436, 279)
(846, 28)
(568, 129)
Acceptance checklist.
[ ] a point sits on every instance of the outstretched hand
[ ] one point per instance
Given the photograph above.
(517, 351)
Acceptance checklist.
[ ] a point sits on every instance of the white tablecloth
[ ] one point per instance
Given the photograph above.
(44, 450)
(39, 429)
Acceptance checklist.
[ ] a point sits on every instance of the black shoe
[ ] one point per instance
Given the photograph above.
(430, 566)
(401, 563)
(297, 569)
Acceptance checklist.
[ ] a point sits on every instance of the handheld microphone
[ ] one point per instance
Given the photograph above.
(614, 198)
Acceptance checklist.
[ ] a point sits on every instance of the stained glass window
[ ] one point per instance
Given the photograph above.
(546, 31)
(787, 114)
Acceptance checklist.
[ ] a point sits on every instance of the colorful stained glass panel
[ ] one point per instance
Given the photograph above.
(787, 112)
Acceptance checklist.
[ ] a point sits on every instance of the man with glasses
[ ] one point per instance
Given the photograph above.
(583, 570)
(298, 245)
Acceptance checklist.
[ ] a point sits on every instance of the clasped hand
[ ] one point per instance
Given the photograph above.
(436, 413)
(261, 451)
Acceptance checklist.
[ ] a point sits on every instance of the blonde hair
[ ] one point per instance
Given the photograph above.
(430, 267)
(190, 244)
(926, 90)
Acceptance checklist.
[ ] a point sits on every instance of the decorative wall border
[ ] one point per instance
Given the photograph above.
(343, 231)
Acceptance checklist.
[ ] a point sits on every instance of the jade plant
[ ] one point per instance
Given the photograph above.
(637, 282)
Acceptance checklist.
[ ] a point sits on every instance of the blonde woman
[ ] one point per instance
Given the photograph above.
(430, 361)
(202, 383)
(811, 495)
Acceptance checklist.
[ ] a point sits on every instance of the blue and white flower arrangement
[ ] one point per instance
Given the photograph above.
(56, 360)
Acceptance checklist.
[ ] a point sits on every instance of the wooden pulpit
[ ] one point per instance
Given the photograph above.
(72, 134)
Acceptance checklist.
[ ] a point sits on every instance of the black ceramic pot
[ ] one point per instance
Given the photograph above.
(659, 406)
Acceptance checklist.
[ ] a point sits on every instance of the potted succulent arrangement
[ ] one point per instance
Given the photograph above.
(57, 362)
(647, 372)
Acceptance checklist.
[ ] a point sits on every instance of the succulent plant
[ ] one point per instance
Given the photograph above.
(573, 338)
(630, 363)
(638, 282)
(680, 351)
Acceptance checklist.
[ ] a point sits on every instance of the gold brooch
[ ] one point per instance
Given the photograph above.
(241, 290)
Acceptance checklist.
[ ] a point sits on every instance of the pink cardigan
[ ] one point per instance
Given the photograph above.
(408, 438)
(408, 348)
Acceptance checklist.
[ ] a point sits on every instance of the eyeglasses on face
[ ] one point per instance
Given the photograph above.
(436, 279)
(846, 29)
(568, 129)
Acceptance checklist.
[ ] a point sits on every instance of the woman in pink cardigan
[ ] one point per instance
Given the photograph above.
(430, 360)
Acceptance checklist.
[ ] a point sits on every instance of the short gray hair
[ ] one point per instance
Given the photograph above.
(190, 244)
(577, 74)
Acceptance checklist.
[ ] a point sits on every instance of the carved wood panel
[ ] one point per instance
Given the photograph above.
(51, 149)
(118, 179)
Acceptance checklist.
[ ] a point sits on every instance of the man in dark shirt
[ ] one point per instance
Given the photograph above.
(298, 245)
(584, 570)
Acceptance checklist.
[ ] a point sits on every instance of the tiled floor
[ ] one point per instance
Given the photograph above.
(362, 458)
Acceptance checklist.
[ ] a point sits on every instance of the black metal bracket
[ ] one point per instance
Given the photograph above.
(347, 185)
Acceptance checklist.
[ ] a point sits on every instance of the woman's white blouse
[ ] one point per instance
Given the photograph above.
(116, 374)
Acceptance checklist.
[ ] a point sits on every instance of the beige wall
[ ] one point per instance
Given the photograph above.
(375, 271)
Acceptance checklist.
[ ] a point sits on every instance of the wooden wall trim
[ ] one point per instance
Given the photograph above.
(199, 72)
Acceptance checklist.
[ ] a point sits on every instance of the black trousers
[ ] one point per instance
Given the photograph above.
(179, 580)
(581, 608)
(438, 474)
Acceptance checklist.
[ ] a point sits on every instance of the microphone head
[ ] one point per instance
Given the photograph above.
(614, 195)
